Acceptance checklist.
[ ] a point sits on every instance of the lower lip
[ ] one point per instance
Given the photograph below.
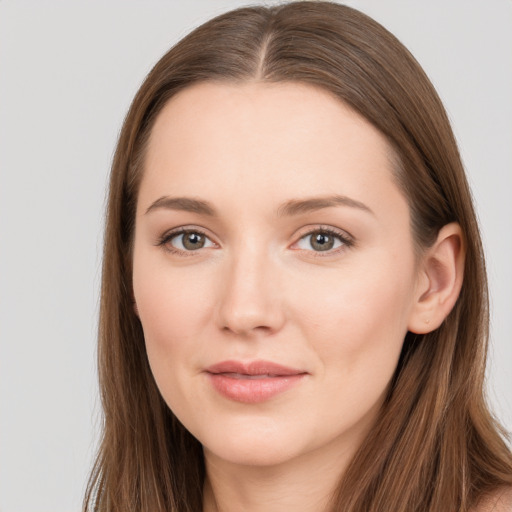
(252, 390)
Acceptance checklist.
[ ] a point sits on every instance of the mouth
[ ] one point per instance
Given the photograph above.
(253, 382)
(251, 377)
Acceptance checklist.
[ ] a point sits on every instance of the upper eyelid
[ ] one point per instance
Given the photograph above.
(342, 233)
(184, 229)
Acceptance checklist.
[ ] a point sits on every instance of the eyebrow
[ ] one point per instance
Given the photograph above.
(289, 208)
(186, 204)
(298, 206)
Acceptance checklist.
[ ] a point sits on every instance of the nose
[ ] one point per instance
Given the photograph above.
(251, 297)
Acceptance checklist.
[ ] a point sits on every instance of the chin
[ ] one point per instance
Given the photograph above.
(251, 442)
(251, 452)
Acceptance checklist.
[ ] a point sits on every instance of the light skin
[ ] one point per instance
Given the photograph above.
(269, 272)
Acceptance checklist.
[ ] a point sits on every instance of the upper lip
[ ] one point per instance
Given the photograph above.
(253, 368)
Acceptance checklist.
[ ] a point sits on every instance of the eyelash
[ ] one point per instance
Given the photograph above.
(346, 240)
(167, 237)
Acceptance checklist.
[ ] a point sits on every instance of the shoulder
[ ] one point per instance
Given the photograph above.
(498, 501)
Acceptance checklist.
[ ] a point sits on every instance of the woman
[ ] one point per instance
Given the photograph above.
(294, 302)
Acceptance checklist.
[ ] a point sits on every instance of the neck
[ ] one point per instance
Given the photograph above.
(303, 484)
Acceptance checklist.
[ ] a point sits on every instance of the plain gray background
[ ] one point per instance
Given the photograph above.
(68, 71)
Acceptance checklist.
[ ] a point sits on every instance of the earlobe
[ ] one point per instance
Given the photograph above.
(440, 280)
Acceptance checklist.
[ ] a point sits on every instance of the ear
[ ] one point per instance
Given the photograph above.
(440, 276)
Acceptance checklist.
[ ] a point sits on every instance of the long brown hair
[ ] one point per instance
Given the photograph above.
(435, 446)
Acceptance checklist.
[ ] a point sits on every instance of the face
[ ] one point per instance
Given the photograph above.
(273, 269)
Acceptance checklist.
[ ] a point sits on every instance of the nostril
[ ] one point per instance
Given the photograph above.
(248, 329)
(263, 322)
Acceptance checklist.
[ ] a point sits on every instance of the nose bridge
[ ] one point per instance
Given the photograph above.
(250, 299)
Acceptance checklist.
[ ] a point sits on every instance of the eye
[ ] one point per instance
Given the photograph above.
(323, 240)
(185, 240)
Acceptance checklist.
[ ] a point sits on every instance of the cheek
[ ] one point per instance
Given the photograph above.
(360, 321)
(173, 308)
(356, 331)
(171, 304)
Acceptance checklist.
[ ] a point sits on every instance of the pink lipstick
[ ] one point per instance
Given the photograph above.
(252, 382)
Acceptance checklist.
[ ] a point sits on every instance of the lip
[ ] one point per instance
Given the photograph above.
(252, 382)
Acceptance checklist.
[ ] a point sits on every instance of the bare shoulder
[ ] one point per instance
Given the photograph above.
(499, 501)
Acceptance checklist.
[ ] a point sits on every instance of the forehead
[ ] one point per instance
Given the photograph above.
(291, 112)
(232, 141)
